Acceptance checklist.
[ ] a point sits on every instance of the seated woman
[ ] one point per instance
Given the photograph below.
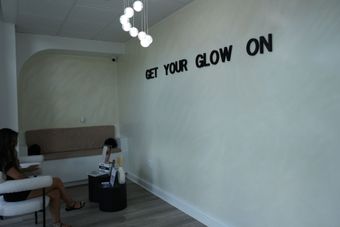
(9, 165)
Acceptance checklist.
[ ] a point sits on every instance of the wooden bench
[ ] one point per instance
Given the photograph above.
(61, 143)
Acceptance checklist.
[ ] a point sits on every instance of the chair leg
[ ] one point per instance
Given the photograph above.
(36, 217)
(44, 211)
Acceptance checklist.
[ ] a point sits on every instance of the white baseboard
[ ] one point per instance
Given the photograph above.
(177, 202)
(75, 183)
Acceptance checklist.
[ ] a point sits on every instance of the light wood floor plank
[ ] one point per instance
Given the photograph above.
(144, 209)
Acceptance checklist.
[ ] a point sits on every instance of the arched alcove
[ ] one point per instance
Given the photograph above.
(65, 89)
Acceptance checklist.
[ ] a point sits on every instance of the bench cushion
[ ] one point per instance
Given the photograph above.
(58, 143)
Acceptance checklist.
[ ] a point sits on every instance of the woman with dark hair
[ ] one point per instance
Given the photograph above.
(9, 166)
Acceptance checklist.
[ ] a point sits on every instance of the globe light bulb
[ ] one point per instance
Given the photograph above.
(141, 35)
(133, 32)
(149, 39)
(126, 27)
(129, 12)
(138, 6)
(124, 19)
(144, 43)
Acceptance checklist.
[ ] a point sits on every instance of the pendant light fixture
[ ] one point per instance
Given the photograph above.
(129, 12)
(138, 6)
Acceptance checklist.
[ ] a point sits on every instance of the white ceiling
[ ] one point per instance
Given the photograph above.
(85, 19)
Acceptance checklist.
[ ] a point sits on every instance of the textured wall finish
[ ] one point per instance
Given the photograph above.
(253, 142)
(8, 78)
(59, 90)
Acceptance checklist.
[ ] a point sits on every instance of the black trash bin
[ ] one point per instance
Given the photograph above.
(94, 186)
(112, 198)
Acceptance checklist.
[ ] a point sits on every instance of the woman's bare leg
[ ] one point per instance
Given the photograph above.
(56, 185)
(55, 205)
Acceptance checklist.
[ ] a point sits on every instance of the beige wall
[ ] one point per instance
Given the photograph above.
(57, 90)
(250, 143)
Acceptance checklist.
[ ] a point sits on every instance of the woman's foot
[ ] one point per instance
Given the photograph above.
(76, 205)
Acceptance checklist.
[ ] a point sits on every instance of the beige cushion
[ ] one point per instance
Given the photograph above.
(71, 154)
(76, 153)
(60, 143)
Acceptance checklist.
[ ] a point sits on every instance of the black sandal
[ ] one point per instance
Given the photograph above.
(73, 207)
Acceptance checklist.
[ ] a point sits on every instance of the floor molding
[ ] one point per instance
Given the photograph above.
(75, 183)
(177, 202)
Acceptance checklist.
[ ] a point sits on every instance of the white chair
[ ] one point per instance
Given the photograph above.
(32, 158)
(8, 209)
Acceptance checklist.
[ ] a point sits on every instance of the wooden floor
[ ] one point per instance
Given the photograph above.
(144, 209)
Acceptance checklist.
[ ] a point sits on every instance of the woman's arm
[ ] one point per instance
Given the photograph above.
(14, 173)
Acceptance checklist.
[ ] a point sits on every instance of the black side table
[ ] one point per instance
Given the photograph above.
(112, 198)
(94, 186)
